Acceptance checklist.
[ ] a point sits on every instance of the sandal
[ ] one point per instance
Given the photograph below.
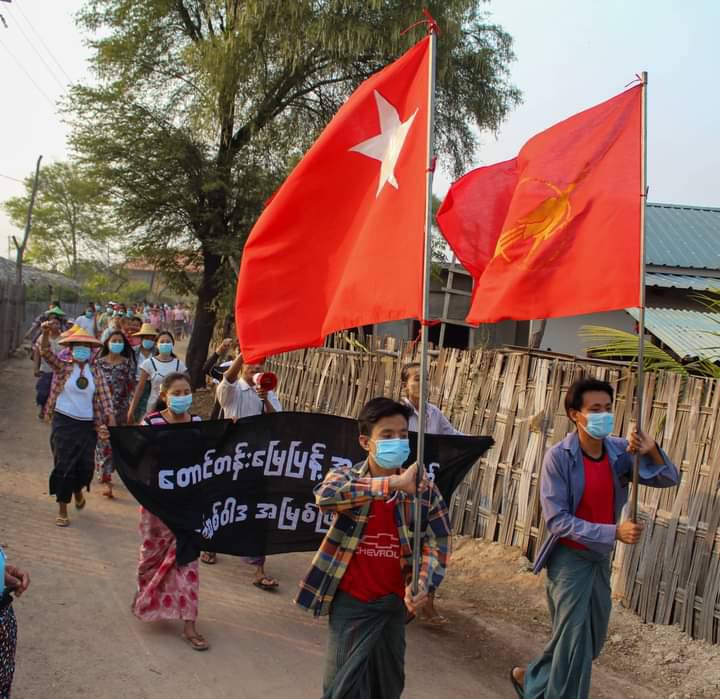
(80, 504)
(209, 557)
(435, 620)
(196, 642)
(266, 583)
(62, 521)
(519, 689)
(108, 493)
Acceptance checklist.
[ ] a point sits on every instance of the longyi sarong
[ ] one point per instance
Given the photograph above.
(578, 594)
(165, 589)
(366, 649)
(73, 447)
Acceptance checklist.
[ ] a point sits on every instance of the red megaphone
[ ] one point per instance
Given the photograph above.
(265, 381)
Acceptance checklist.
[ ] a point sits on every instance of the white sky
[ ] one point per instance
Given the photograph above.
(571, 54)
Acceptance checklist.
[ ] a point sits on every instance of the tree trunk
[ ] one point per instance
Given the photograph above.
(205, 317)
(28, 223)
(73, 238)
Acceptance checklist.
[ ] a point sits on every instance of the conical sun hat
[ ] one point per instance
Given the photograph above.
(78, 334)
(146, 329)
(70, 330)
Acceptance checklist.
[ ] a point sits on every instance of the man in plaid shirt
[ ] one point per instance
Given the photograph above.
(362, 572)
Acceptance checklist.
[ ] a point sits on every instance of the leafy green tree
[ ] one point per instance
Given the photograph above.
(199, 108)
(71, 219)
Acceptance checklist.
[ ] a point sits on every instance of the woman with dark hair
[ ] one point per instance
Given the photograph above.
(166, 590)
(154, 370)
(80, 407)
(117, 363)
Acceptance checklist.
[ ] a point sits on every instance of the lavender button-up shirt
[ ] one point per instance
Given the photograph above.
(562, 484)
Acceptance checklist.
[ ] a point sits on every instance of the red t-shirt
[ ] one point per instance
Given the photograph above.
(374, 570)
(597, 504)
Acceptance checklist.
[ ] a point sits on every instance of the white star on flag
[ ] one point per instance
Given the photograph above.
(388, 144)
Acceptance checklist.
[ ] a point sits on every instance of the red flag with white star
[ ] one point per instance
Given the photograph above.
(340, 244)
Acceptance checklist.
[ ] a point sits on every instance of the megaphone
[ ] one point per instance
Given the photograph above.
(265, 380)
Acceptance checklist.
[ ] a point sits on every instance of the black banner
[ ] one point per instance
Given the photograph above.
(246, 488)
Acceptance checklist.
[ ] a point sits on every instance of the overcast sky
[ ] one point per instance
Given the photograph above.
(571, 54)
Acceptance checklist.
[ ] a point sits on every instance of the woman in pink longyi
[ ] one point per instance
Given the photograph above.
(166, 590)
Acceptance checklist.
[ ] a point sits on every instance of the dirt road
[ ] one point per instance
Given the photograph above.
(78, 637)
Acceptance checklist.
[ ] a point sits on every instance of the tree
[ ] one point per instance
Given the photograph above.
(201, 107)
(71, 218)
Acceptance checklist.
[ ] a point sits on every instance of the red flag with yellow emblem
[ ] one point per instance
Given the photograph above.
(556, 230)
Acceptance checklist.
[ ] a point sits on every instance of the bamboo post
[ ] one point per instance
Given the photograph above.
(425, 329)
(641, 315)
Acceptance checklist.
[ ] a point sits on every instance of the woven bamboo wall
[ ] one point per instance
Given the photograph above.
(672, 576)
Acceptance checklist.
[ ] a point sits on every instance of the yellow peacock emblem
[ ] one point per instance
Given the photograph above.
(539, 225)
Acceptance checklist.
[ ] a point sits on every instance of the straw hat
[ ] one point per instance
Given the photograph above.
(146, 329)
(70, 330)
(78, 335)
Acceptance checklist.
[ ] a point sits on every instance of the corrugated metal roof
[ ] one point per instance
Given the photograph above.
(681, 281)
(682, 236)
(686, 333)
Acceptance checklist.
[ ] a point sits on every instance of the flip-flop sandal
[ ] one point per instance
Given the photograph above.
(209, 558)
(267, 584)
(519, 689)
(437, 620)
(62, 521)
(196, 642)
(80, 505)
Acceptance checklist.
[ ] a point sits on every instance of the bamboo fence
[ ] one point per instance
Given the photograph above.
(12, 307)
(516, 396)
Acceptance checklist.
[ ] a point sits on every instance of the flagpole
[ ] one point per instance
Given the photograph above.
(424, 327)
(641, 315)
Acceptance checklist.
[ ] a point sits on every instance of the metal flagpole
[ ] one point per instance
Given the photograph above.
(425, 329)
(641, 316)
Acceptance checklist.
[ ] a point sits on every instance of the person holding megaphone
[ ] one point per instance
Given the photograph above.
(247, 390)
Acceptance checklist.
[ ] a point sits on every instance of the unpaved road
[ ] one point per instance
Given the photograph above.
(78, 637)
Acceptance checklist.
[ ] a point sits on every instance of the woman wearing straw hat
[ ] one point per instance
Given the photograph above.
(144, 351)
(80, 407)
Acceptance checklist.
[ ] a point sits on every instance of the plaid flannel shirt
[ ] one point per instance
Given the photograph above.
(102, 399)
(349, 492)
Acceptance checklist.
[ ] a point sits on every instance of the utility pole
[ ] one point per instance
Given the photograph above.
(21, 247)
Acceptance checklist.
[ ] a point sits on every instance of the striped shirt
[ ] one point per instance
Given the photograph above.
(349, 492)
(102, 398)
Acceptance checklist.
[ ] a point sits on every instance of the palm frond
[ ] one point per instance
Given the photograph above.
(611, 343)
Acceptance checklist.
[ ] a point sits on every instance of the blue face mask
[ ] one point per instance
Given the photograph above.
(148, 344)
(165, 347)
(179, 404)
(81, 354)
(116, 347)
(392, 453)
(600, 425)
(89, 314)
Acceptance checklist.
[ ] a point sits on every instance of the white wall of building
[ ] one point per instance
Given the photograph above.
(561, 334)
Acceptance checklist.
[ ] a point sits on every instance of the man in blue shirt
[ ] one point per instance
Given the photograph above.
(583, 490)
